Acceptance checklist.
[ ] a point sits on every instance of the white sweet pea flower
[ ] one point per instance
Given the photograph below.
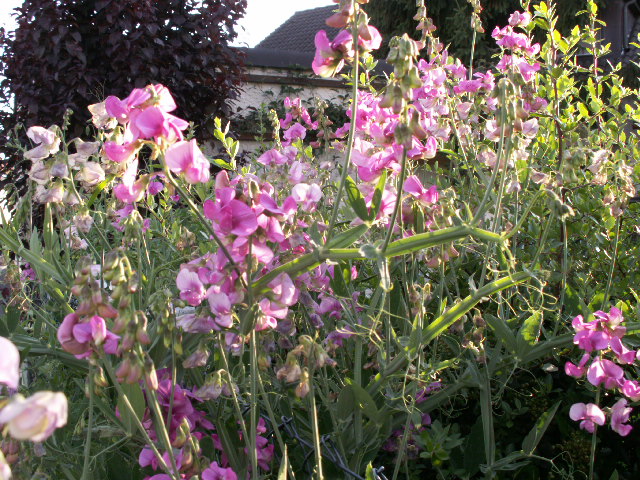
(47, 140)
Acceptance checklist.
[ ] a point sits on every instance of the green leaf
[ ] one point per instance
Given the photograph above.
(284, 464)
(369, 474)
(528, 334)
(541, 349)
(374, 253)
(376, 202)
(11, 318)
(136, 399)
(340, 280)
(445, 320)
(348, 237)
(532, 439)
(365, 403)
(356, 200)
(502, 331)
(218, 162)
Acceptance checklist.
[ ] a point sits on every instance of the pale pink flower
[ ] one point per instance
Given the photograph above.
(39, 172)
(47, 141)
(631, 390)
(100, 118)
(517, 19)
(5, 470)
(590, 415)
(191, 288)
(619, 416)
(9, 363)
(91, 174)
(35, 418)
(307, 196)
(186, 157)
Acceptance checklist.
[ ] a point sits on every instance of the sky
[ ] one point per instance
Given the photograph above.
(262, 17)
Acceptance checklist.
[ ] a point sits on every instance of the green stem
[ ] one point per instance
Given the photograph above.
(254, 406)
(352, 132)
(614, 257)
(203, 220)
(445, 320)
(87, 445)
(396, 209)
(594, 441)
(399, 247)
(107, 364)
(315, 430)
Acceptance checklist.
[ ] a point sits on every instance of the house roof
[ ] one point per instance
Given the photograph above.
(298, 32)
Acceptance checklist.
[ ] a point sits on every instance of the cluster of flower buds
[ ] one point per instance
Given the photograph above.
(34, 418)
(84, 332)
(331, 56)
(314, 357)
(599, 339)
(216, 384)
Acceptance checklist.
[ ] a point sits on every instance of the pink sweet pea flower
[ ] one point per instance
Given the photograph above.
(413, 187)
(95, 330)
(216, 472)
(272, 157)
(369, 38)
(191, 288)
(67, 338)
(153, 122)
(191, 323)
(588, 337)
(9, 364)
(294, 132)
(623, 354)
(605, 371)
(631, 390)
(619, 415)
(186, 157)
(577, 371)
(328, 61)
(130, 190)
(220, 305)
(120, 153)
(590, 415)
(35, 418)
(230, 216)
